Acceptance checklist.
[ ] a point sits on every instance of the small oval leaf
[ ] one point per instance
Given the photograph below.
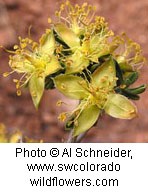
(131, 78)
(137, 90)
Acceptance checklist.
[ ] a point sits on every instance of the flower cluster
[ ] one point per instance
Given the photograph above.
(82, 58)
(15, 136)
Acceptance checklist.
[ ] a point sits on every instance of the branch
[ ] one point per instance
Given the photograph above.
(76, 139)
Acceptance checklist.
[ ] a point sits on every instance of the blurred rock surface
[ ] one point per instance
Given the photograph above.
(7, 33)
(18, 112)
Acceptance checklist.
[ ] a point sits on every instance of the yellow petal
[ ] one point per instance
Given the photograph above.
(3, 134)
(16, 137)
(53, 66)
(119, 106)
(71, 86)
(36, 87)
(87, 119)
(68, 36)
(21, 64)
(47, 43)
(105, 75)
(78, 63)
(98, 47)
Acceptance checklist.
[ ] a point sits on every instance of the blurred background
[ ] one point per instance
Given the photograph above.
(18, 112)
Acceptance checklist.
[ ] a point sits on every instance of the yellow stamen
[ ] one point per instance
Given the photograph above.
(62, 117)
(18, 92)
(59, 103)
(49, 20)
(6, 74)
(15, 47)
(123, 86)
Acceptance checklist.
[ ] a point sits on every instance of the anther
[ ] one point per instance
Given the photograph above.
(6, 74)
(18, 92)
(63, 87)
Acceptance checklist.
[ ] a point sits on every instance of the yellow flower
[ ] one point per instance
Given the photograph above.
(35, 61)
(86, 40)
(90, 48)
(15, 136)
(76, 17)
(95, 96)
(127, 53)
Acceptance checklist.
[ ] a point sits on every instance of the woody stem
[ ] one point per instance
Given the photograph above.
(76, 139)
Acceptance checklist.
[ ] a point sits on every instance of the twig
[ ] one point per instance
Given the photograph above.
(76, 139)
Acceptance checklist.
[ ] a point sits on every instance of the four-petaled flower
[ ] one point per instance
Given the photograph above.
(35, 61)
(95, 96)
(86, 40)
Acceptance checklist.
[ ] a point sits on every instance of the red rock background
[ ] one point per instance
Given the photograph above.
(18, 112)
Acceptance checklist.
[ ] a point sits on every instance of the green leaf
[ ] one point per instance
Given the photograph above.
(70, 122)
(130, 95)
(71, 86)
(125, 66)
(119, 73)
(119, 106)
(36, 87)
(47, 43)
(105, 75)
(67, 35)
(137, 90)
(49, 84)
(131, 78)
(87, 119)
(92, 67)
